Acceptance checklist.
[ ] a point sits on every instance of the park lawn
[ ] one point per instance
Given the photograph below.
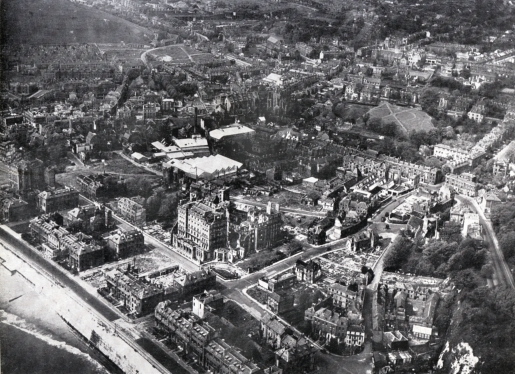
(4, 178)
(416, 120)
(174, 52)
(409, 119)
(379, 112)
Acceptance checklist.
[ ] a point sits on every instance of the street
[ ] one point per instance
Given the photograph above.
(161, 247)
(502, 272)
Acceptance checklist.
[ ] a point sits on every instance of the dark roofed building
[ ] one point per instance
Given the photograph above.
(122, 244)
(280, 301)
(196, 282)
(138, 297)
(309, 271)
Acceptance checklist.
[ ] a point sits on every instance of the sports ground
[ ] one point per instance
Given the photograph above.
(407, 118)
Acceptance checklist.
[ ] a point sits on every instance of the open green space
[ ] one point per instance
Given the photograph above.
(407, 118)
(61, 21)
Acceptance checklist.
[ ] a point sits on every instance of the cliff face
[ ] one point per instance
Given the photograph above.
(458, 360)
(481, 334)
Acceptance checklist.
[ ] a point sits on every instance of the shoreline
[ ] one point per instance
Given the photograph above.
(20, 309)
(123, 352)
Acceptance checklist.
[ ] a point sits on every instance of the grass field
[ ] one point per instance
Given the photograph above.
(407, 118)
(60, 21)
(180, 54)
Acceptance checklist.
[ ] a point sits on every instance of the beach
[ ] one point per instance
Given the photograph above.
(33, 338)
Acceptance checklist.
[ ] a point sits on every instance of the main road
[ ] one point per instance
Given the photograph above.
(501, 269)
(235, 289)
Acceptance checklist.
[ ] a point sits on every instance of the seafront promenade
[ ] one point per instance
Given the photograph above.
(80, 314)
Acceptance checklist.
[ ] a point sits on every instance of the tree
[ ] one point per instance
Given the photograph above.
(502, 214)
(434, 162)
(429, 99)
(365, 118)
(487, 271)
(374, 124)
(152, 206)
(438, 252)
(451, 232)
(471, 254)
(138, 187)
(339, 109)
(168, 210)
(332, 345)
(293, 247)
(507, 243)
(398, 254)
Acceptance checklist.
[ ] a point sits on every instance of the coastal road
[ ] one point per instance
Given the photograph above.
(501, 269)
(306, 213)
(59, 275)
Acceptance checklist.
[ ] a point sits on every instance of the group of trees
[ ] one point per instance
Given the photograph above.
(162, 206)
(175, 85)
(385, 128)
(437, 258)
(485, 318)
(503, 221)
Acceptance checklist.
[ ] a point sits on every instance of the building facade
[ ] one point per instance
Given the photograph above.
(54, 200)
(27, 176)
(309, 271)
(463, 183)
(137, 297)
(201, 229)
(327, 323)
(132, 210)
(198, 338)
(122, 244)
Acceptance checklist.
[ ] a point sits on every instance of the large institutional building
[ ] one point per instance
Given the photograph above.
(60, 199)
(201, 228)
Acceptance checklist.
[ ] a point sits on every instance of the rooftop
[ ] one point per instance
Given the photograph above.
(230, 130)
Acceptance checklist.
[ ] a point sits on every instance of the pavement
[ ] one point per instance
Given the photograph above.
(502, 272)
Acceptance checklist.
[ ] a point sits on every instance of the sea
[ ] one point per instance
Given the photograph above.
(35, 340)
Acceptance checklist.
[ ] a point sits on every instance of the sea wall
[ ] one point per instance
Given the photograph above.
(101, 333)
